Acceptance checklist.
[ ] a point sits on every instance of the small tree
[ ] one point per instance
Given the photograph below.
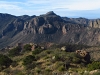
(76, 60)
(61, 68)
(27, 47)
(15, 51)
(4, 61)
(28, 60)
(94, 66)
(37, 51)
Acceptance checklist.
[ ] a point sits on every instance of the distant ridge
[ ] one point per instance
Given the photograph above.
(49, 27)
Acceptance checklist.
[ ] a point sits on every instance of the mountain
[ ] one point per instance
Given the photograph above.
(48, 27)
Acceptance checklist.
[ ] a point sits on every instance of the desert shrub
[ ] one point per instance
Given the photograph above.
(59, 64)
(20, 73)
(48, 70)
(57, 57)
(71, 47)
(41, 54)
(72, 57)
(15, 51)
(38, 70)
(69, 57)
(37, 51)
(82, 64)
(14, 72)
(76, 60)
(48, 51)
(4, 61)
(30, 66)
(61, 68)
(27, 47)
(46, 57)
(53, 46)
(28, 60)
(74, 47)
(93, 66)
(14, 64)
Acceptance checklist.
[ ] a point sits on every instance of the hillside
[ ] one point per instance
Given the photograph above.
(48, 27)
(67, 59)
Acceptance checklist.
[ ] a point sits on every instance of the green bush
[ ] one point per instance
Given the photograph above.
(15, 51)
(59, 64)
(14, 64)
(94, 66)
(48, 70)
(71, 47)
(57, 57)
(28, 60)
(30, 66)
(27, 47)
(38, 70)
(4, 61)
(37, 51)
(42, 53)
(48, 51)
(76, 60)
(61, 68)
(20, 73)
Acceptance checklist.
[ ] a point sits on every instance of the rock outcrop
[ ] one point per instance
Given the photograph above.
(94, 23)
(82, 53)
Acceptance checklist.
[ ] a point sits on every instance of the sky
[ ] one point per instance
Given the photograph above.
(65, 8)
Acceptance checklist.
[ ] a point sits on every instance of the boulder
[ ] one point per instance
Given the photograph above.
(82, 53)
(63, 48)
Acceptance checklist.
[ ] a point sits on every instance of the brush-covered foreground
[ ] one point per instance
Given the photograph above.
(55, 60)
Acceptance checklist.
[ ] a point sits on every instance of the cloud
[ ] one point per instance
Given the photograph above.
(9, 5)
(68, 4)
(85, 5)
(51, 4)
(39, 1)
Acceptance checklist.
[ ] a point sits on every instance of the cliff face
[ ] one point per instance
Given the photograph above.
(48, 27)
(94, 23)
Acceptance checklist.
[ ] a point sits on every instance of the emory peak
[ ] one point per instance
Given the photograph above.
(50, 13)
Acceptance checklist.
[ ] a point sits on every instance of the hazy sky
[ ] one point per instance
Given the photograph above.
(68, 8)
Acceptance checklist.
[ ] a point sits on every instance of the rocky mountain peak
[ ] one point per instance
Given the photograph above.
(50, 13)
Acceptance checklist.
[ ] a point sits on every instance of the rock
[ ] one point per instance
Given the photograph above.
(46, 29)
(94, 23)
(37, 21)
(63, 48)
(43, 48)
(34, 47)
(94, 71)
(64, 29)
(53, 57)
(82, 53)
(67, 73)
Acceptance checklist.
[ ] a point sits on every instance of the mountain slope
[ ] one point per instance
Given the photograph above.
(48, 27)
